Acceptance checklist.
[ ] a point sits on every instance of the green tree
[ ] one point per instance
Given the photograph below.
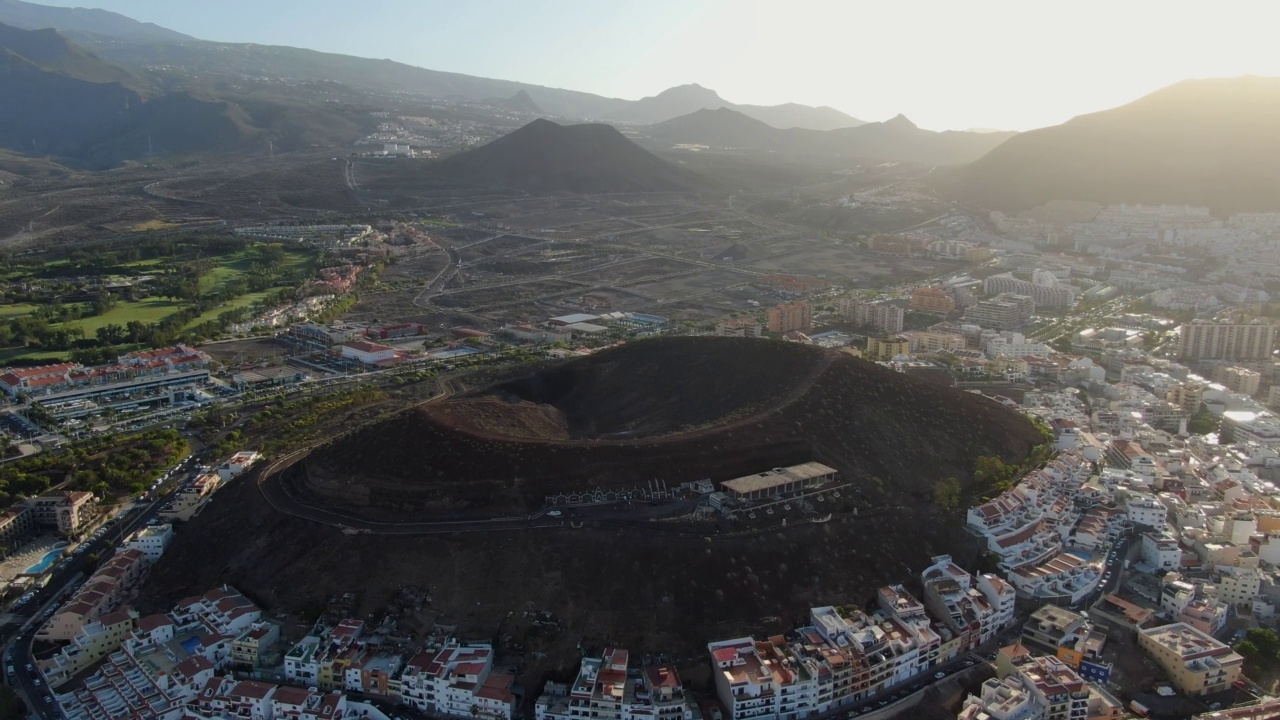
(1265, 640)
(1203, 422)
(1249, 651)
(947, 494)
(111, 334)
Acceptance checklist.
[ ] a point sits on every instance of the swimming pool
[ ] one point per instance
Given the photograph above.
(1082, 554)
(48, 559)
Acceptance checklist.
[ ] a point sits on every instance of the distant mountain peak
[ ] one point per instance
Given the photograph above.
(900, 121)
(523, 102)
(691, 91)
(548, 157)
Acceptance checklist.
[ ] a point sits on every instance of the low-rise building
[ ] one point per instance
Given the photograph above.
(249, 648)
(458, 681)
(106, 590)
(1038, 687)
(606, 688)
(1161, 551)
(887, 348)
(779, 481)
(150, 541)
(1238, 585)
(1195, 663)
(367, 352)
(237, 464)
(1145, 509)
(739, 327)
(168, 661)
(94, 641)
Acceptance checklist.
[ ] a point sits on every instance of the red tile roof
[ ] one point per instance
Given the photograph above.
(252, 689)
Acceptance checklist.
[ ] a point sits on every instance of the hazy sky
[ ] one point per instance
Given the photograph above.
(950, 64)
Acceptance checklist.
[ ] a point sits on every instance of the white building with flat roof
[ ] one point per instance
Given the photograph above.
(151, 541)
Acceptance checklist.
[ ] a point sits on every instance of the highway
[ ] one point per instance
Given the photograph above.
(20, 625)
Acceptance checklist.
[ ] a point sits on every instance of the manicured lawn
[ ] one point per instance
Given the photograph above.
(149, 310)
(9, 312)
(238, 264)
(242, 301)
(8, 355)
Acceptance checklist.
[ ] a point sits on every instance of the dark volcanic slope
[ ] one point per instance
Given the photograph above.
(545, 157)
(651, 586)
(696, 407)
(1203, 142)
(647, 588)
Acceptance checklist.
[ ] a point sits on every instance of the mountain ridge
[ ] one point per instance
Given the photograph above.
(138, 45)
(897, 139)
(30, 16)
(68, 103)
(1204, 142)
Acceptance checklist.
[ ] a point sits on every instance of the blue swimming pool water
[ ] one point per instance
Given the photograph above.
(48, 559)
(1083, 555)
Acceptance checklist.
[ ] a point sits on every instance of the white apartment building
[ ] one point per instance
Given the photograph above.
(151, 541)
(1238, 586)
(459, 681)
(605, 687)
(1041, 688)
(95, 641)
(1145, 509)
(166, 661)
(1161, 551)
(759, 680)
(237, 464)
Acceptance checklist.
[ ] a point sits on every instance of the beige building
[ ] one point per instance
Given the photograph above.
(1195, 663)
(16, 525)
(931, 342)
(65, 511)
(888, 347)
(249, 648)
(785, 318)
(1207, 340)
(739, 327)
(1187, 395)
(95, 641)
(1239, 379)
(105, 591)
(934, 300)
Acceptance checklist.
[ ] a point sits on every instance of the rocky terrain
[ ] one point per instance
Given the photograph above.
(694, 407)
(676, 410)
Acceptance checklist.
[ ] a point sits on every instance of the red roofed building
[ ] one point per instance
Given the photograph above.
(604, 688)
(457, 680)
(146, 370)
(368, 353)
(62, 510)
(16, 380)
